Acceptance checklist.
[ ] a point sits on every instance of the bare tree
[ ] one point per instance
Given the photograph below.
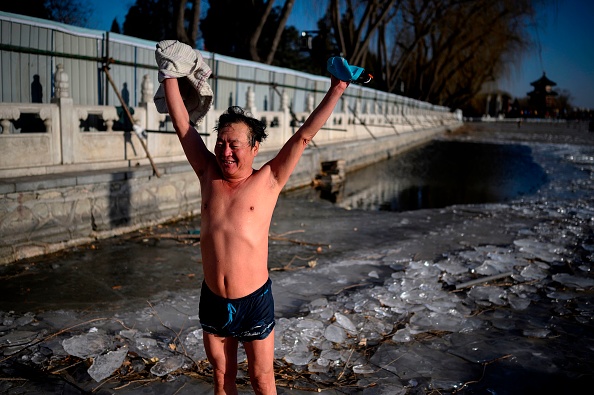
(355, 27)
(71, 12)
(443, 51)
(258, 31)
(182, 14)
(279, 27)
(257, 27)
(284, 16)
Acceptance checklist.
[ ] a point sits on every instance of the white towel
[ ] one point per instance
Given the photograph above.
(179, 60)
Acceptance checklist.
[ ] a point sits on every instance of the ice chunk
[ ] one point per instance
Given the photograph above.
(518, 303)
(319, 302)
(24, 320)
(391, 301)
(365, 305)
(442, 305)
(435, 321)
(87, 345)
(307, 323)
(416, 296)
(18, 337)
(495, 295)
(299, 357)
(148, 347)
(129, 333)
(334, 333)
(104, 365)
(363, 369)
(167, 365)
(561, 295)
(452, 267)
(331, 355)
(374, 329)
(533, 272)
(41, 356)
(438, 385)
(488, 268)
(541, 333)
(145, 343)
(325, 313)
(573, 281)
(402, 335)
(351, 357)
(194, 344)
(542, 251)
(320, 365)
(345, 322)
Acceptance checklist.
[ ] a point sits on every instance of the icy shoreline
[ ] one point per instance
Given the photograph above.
(389, 319)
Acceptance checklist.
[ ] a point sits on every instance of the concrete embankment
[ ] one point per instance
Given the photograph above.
(44, 214)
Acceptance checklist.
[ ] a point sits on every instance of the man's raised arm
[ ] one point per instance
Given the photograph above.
(195, 149)
(284, 163)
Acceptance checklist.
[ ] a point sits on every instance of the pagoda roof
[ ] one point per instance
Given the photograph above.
(543, 81)
(533, 93)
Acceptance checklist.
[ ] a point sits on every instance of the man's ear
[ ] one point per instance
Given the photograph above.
(256, 148)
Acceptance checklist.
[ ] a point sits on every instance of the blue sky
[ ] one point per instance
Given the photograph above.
(565, 34)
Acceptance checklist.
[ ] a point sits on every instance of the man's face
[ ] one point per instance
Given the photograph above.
(233, 151)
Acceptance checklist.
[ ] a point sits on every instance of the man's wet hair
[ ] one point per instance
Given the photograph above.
(236, 114)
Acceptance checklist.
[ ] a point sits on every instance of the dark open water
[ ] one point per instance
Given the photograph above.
(441, 174)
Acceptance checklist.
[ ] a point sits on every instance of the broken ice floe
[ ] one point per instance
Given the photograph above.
(104, 365)
(87, 345)
(349, 332)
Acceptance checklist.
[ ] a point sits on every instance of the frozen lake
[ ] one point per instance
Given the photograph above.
(466, 296)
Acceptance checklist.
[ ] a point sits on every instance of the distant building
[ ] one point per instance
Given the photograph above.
(542, 100)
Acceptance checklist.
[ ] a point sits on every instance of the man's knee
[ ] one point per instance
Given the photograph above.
(262, 380)
(263, 384)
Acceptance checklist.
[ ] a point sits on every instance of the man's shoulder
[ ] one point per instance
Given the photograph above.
(264, 176)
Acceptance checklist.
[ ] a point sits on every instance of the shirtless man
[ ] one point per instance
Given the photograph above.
(237, 207)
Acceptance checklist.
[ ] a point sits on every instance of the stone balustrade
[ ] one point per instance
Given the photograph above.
(72, 173)
(61, 136)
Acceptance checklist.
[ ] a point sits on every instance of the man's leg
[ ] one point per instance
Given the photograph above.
(260, 354)
(222, 354)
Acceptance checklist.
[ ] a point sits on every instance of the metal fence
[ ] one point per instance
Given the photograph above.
(31, 48)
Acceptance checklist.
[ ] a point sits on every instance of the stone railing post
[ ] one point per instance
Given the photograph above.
(62, 85)
(284, 101)
(146, 89)
(153, 118)
(250, 101)
(287, 118)
(7, 114)
(68, 121)
(309, 103)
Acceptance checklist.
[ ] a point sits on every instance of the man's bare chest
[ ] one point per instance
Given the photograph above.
(245, 198)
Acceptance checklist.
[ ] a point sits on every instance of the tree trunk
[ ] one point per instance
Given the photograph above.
(191, 35)
(258, 32)
(353, 31)
(195, 21)
(180, 31)
(287, 8)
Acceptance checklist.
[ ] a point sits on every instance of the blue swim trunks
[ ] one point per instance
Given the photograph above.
(248, 318)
